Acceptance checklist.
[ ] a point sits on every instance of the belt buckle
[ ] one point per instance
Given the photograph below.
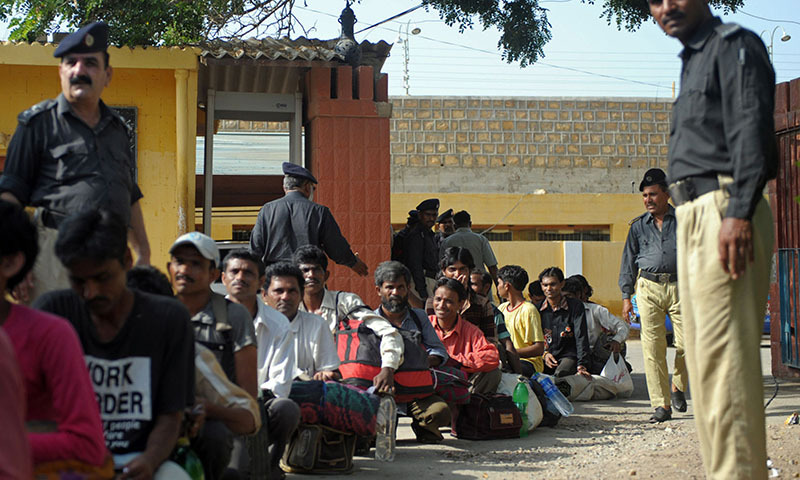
(663, 277)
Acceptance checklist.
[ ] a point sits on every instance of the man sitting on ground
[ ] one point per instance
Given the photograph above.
(535, 293)
(146, 337)
(565, 330)
(222, 326)
(607, 333)
(392, 281)
(243, 277)
(466, 345)
(522, 318)
(59, 396)
(335, 306)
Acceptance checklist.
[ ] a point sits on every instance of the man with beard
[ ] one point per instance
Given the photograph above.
(138, 347)
(722, 151)
(335, 306)
(71, 154)
(391, 283)
(649, 268)
(222, 326)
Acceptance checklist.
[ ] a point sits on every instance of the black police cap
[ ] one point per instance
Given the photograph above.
(294, 170)
(429, 204)
(444, 216)
(89, 39)
(654, 176)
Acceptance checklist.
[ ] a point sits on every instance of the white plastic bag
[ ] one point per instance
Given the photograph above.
(617, 372)
(506, 387)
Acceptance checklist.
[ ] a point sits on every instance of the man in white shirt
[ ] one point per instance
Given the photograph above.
(243, 275)
(335, 306)
(314, 351)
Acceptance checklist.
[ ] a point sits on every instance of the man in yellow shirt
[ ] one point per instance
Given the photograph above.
(522, 318)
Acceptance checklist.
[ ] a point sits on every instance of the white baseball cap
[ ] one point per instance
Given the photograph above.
(203, 243)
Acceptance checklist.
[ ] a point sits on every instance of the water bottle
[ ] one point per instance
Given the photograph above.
(385, 429)
(556, 401)
(520, 399)
(188, 460)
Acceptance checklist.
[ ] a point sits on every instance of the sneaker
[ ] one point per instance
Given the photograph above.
(661, 415)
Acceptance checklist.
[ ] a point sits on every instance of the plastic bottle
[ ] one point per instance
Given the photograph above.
(385, 429)
(188, 460)
(556, 401)
(520, 399)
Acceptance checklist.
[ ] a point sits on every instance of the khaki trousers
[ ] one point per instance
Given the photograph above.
(48, 272)
(485, 382)
(655, 300)
(723, 321)
(428, 415)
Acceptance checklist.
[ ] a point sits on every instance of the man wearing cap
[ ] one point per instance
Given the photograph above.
(444, 227)
(295, 220)
(477, 244)
(72, 153)
(223, 326)
(650, 254)
(422, 251)
(722, 151)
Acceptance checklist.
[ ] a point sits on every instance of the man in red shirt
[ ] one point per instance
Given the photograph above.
(465, 343)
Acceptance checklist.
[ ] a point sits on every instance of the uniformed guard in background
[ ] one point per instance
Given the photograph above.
(295, 220)
(722, 151)
(72, 153)
(649, 268)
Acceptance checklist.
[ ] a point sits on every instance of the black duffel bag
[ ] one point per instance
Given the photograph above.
(487, 417)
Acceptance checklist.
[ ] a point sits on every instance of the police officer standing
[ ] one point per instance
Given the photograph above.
(722, 151)
(295, 220)
(72, 153)
(650, 255)
(422, 252)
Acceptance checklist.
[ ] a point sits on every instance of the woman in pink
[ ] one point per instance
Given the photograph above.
(64, 427)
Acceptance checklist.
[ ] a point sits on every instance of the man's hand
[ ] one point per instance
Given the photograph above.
(196, 417)
(139, 468)
(550, 360)
(464, 280)
(434, 360)
(615, 347)
(24, 289)
(360, 267)
(384, 381)
(627, 309)
(735, 245)
(327, 375)
(584, 373)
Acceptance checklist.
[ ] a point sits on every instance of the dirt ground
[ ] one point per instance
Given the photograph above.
(608, 439)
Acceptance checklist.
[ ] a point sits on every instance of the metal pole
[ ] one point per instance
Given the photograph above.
(208, 164)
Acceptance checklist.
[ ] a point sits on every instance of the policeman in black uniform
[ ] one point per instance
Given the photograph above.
(649, 268)
(72, 153)
(295, 220)
(422, 251)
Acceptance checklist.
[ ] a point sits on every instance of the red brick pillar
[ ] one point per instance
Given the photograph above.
(347, 149)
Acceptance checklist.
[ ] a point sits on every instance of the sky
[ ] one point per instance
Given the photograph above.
(443, 61)
(585, 58)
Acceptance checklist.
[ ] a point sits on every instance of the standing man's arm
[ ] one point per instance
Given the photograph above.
(21, 168)
(628, 272)
(747, 83)
(160, 443)
(337, 247)
(137, 235)
(415, 246)
(258, 241)
(489, 259)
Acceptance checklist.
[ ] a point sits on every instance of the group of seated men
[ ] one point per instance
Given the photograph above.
(168, 358)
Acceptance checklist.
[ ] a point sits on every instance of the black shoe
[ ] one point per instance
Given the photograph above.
(679, 401)
(661, 415)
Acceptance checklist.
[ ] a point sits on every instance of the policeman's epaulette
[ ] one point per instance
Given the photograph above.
(725, 30)
(636, 219)
(40, 107)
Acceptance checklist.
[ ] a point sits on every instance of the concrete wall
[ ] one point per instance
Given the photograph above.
(518, 145)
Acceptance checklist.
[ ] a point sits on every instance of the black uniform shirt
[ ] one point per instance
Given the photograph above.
(58, 162)
(292, 221)
(722, 121)
(565, 330)
(648, 248)
(422, 257)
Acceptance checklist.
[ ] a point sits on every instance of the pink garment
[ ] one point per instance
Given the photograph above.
(57, 387)
(15, 456)
(467, 345)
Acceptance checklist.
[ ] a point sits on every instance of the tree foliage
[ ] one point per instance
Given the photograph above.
(523, 25)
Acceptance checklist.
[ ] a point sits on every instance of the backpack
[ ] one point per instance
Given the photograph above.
(219, 306)
(359, 351)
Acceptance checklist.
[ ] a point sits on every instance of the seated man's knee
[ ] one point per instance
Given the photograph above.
(213, 446)
(283, 417)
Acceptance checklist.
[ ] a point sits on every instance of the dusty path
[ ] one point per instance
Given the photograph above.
(609, 439)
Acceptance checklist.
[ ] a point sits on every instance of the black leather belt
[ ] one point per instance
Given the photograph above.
(51, 219)
(659, 277)
(688, 189)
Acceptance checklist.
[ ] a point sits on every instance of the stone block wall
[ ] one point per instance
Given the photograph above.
(559, 145)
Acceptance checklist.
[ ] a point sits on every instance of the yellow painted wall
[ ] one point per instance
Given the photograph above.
(146, 79)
